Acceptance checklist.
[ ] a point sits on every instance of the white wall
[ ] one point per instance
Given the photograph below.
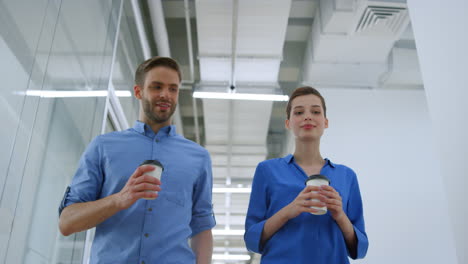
(385, 136)
(440, 32)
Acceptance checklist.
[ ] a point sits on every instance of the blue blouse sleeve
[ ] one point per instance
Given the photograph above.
(256, 214)
(356, 216)
(87, 182)
(202, 209)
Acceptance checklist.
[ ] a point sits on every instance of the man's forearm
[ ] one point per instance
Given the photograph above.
(202, 246)
(82, 216)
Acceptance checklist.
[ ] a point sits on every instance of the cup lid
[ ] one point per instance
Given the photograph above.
(317, 176)
(152, 162)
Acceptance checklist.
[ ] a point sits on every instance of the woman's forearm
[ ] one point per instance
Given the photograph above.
(273, 224)
(348, 233)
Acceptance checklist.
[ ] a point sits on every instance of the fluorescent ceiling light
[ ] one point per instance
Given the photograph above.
(67, 94)
(230, 257)
(231, 249)
(227, 232)
(231, 190)
(241, 96)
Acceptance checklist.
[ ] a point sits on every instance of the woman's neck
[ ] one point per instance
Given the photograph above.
(308, 153)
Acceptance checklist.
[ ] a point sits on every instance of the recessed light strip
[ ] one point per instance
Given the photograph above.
(228, 232)
(68, 94)
(241, 96)
(230, 257)
(231, 190)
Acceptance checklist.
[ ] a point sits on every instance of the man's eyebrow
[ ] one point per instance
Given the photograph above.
(170, 84)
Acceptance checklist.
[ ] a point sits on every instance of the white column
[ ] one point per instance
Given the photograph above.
(440, 29)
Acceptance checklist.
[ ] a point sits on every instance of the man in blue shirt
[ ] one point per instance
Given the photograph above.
(110, 190)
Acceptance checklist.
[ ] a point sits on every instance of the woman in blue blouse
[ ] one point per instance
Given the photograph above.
(279, 223)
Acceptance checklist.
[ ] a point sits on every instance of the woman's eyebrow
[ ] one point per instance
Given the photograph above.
(300, 106)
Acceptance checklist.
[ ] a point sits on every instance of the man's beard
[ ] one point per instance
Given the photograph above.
(153, 116)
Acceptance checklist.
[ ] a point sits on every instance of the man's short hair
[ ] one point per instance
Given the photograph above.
(152, 63)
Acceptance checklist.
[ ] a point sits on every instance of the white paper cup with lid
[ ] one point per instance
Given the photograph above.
(157, 172)
(318, 180)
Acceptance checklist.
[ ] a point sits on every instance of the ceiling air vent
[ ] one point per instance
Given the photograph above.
(375, 18)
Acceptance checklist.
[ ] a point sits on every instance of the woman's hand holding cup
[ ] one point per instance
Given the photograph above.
(307, 198)
(333, 201)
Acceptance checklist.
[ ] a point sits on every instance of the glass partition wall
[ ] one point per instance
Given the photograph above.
(54, 55)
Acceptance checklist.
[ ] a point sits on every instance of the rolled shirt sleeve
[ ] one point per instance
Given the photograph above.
(88, 179)
(202, 210)
(356, 216)
(256, 214)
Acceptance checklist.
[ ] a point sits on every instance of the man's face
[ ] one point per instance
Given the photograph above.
(159, 95)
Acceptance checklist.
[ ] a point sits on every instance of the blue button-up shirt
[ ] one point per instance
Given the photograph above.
(307, 238)
(150, 231)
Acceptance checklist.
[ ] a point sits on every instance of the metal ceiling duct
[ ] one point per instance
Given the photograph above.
(351, 41)
(162, 42)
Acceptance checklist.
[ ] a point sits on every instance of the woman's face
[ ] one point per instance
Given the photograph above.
(307, 119)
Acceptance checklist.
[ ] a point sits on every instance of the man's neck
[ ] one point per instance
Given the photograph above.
(156, 126)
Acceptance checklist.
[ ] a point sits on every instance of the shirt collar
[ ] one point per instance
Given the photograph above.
(144, 129)
(290, 158)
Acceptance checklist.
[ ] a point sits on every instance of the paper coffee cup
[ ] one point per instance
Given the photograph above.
(318, 180)
(157, 172)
